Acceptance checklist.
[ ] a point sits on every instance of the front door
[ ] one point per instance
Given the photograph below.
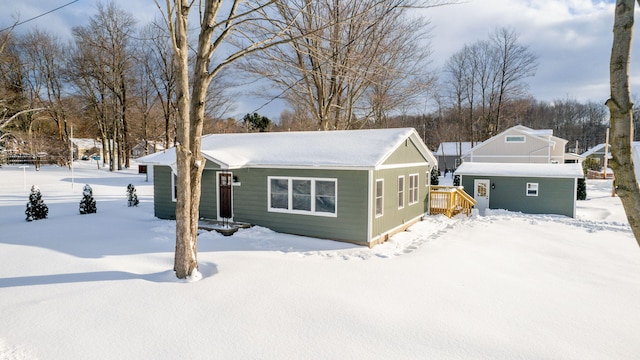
(481, 193)
(224, 196)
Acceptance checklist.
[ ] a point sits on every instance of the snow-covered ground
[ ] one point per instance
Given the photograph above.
(500, 286)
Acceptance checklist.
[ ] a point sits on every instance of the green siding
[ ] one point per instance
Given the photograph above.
(406, 153)
(208, 205)
(555, 196)
(164, 207)
(392, 216)
(354, 196)
(250, 204)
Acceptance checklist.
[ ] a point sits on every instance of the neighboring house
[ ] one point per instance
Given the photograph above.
(449, 154)
(528, 188)
(152, 147)
(520, 144)
(357, 186)
(85, 147)
(597, 152)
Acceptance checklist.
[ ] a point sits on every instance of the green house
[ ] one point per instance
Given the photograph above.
(527, 188)
(357, 186)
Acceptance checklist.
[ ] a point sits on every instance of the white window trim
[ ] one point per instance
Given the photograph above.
(174, 192)
(537, 189)
(524, 139)
(401, 192)
(414, 192)
(375, 204)
(290, 209)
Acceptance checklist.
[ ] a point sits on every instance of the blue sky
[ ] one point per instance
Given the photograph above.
(572, 38)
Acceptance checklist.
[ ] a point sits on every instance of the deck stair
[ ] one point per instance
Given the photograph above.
(450, 201)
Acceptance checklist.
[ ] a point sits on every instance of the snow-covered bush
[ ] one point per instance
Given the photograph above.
(36, 208)
(88, 203)
(132, 198)
(456, 180)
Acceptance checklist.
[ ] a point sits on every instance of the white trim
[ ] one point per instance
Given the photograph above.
(370, 204)
(312, 195)
(400, 166)
(575, 196)
(174, 191)
(534, 187)
(400, 192)
(512, 156)
(299, 167)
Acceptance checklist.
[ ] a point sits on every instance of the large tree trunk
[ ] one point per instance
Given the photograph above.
(185, 261)
(621, 110)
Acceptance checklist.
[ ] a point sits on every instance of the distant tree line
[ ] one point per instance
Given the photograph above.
(582, 124)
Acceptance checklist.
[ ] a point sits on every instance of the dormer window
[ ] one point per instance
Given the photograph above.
(512, 139)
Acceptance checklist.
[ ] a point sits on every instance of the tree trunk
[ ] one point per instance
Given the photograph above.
(621, 110)
(185, 261)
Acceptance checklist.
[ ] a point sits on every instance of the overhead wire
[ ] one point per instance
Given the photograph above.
(39, 16)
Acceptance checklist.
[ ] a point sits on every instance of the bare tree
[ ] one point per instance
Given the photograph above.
(515, 63)
(106, 54)
(621, 110)
(484, 76)
(157, 58)
(346, 62)
(215, 31)
(45, 53)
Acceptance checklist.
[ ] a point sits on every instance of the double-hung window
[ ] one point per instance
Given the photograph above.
(413, 189)
(307, 196)
(379, 197)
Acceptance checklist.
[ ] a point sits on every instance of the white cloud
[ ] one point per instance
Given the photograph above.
(572, 39)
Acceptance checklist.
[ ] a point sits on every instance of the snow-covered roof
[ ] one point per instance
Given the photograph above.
(536, 132)
(596, 149)
(345, 148)
(86, 143)
(521, 170)
(542, 134)
(453, 148)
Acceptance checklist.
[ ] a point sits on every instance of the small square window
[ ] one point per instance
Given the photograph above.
(532, 189)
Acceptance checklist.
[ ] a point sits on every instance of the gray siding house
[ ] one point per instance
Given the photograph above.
(519, 144)
(357, 186)
(449, 154)
(598, 152)
(528, 188)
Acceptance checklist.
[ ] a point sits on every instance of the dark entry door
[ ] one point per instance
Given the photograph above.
(224, 194)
